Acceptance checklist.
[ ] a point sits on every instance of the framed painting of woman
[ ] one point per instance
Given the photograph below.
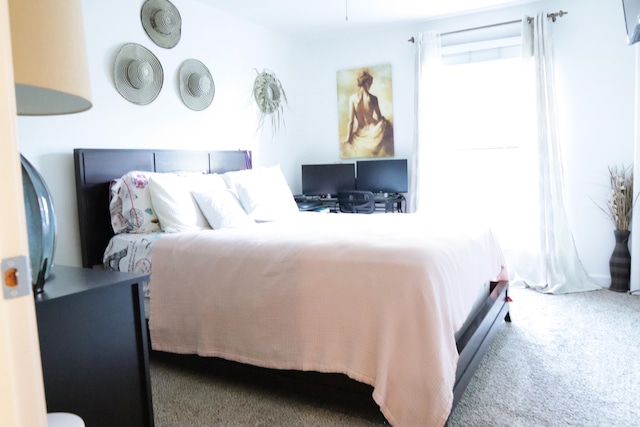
(365, 112)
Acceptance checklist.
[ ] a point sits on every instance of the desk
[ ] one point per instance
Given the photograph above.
(389, 204)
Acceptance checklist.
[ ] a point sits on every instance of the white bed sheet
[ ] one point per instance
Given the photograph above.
(133, 253)
(376, 297)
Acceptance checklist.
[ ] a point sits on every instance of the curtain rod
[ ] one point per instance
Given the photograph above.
(552, 16)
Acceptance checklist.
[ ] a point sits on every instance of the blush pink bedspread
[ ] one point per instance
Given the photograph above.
(375, 297)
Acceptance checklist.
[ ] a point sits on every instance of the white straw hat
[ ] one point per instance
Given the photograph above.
(162, 22)
(196, 85)
(138, 74)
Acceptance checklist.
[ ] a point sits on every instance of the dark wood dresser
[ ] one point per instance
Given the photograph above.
(93, 345)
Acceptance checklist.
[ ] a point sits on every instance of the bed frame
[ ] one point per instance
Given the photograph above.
(95, 168)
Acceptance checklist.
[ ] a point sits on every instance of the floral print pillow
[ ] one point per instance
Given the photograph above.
(130, 204)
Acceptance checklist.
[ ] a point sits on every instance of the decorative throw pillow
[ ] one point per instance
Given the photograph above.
(130, 204)
(263, 193)
(176, 208)
(222, 209)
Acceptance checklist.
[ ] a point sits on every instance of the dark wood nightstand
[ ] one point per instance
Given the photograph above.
(93, 346)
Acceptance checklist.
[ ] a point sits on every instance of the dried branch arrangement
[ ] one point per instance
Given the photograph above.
(620, 204)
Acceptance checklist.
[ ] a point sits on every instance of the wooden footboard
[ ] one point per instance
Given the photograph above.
(473, 344)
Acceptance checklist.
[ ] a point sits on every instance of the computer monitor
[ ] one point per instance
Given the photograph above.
(321, 180)
(383, 176)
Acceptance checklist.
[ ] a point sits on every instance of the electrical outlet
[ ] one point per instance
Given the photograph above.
(16, 277)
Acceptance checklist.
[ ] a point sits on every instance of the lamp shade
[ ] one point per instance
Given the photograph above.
(49, 57)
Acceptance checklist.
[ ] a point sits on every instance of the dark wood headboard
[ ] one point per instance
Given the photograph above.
(96, 167)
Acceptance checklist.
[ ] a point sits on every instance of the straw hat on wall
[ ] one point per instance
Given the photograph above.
(137, 74)
(196, 85)
(162, 22)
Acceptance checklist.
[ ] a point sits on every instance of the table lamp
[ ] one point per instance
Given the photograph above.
(51, 78)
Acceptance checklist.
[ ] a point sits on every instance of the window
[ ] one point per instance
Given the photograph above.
(483, 142)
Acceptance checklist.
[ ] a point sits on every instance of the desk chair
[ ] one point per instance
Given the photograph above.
(356, 201)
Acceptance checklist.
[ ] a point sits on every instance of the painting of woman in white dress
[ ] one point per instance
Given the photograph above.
(365, 112)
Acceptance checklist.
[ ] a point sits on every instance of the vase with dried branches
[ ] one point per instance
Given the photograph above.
(619, 210)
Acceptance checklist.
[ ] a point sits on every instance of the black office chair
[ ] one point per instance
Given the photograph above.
(356, 201)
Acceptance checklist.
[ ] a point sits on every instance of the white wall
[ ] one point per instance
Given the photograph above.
(359, 50)
(595, 81)
(595, 90)
(231, 49)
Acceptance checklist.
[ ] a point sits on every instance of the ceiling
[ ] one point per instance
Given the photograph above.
(315, 17)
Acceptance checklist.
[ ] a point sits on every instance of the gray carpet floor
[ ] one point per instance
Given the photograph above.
(565, 360)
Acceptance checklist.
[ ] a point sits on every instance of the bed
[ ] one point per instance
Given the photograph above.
(377, 322)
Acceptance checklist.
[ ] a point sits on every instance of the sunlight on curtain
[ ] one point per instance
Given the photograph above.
(485, 131)
(480, 151)
(428, 71)
(563, 271)
(475, 142)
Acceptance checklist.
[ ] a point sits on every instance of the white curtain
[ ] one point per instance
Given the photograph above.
(559, 269)
(548, 261)
(428, 66)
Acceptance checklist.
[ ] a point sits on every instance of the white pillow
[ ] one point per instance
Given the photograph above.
(263, 193)
(222, 209)
(176, 208)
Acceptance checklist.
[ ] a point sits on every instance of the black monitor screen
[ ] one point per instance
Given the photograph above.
(383, 176)
(328, 179)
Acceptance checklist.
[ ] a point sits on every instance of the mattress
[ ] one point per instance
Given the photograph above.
(376, 297)
(133, 253)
